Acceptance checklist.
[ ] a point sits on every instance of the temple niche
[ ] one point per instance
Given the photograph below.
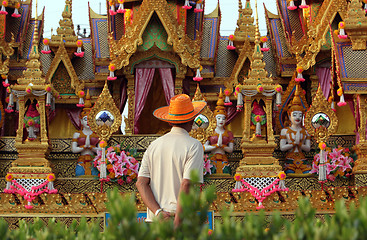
(280, 105)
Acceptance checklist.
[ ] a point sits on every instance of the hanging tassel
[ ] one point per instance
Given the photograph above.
(3, 7)
(198, 77)
(112, 10)
(342, 34)
(102, 169)
(16, 11)
(365, 6)
(341, 95)
(50, 185)
(303, 4)
(6, 81)
(79, 52)
(121, 8)
(322, 164)
(46, 47)
(81, 95)
(31, 134)
(278, 96)
(227, 101)
(238, 178)
(112, 69)
(282, 177)
(265, 45)
(187, 5)
(48, 99)
(299, 77)
(261, 206)
(230, 42)
(198, 7)
(292, 6)
(29, 205)
(9, 109)
(258, 126)
(239, 102)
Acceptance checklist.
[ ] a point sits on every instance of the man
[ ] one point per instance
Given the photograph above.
(168, 161)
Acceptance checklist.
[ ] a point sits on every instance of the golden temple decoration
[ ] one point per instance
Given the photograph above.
(6, 49)
(66, 29)
(360, 166)
(245, 24)
(34, 92)
(320, 120)
(200, 133)
(246, 53)
(123, 49)
(257, 90)
(316, 34)
(63, 56)
(356, 25)
(155, 52)
(105, 105)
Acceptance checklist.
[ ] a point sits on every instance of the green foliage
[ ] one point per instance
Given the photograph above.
(346, 223)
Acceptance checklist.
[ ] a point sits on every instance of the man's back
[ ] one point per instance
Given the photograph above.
(169, 160)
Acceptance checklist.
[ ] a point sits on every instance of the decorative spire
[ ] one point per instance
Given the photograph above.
(198, 96)
(220, 109)
(356, 25)
(257, 74)
(33, 74)
(245, 23)
(296, 104)
(66, 29)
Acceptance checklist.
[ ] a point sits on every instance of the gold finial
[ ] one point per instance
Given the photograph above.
(66, 28)
(198, 96)
(220, 109)
(257, 31)
(296, 104)
(245, 23)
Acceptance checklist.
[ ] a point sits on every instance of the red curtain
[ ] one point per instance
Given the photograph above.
(143, 82)
(168, 83)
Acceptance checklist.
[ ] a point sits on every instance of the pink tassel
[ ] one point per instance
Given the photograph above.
(291, 5)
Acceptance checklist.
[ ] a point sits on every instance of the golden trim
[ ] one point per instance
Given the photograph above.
(321, 105)
(122, 50)
(105, 102)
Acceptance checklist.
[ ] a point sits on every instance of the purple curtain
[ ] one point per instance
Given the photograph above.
(143, 82)
(168, 83)
(324, 79)
(73, 115)
(231, 113)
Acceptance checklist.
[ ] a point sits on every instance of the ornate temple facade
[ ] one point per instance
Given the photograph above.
(141, 54)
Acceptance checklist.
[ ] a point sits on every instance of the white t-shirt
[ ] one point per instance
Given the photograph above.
(167, 161)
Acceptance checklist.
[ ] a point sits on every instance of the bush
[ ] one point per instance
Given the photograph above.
(344, 224)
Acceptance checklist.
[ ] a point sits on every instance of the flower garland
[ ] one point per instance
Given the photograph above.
(122, 167)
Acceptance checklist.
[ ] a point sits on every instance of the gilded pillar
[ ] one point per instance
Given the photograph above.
(178, 84)
(360, 166)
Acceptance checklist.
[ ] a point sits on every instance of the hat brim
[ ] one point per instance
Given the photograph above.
(162, 113)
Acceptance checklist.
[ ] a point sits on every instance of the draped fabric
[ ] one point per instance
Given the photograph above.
(231, 114)
(143, 82)
(167, 83)
(123, 97)
(73, 114)
(324, 79)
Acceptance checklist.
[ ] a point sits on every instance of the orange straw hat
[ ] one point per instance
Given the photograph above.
(180, 109)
